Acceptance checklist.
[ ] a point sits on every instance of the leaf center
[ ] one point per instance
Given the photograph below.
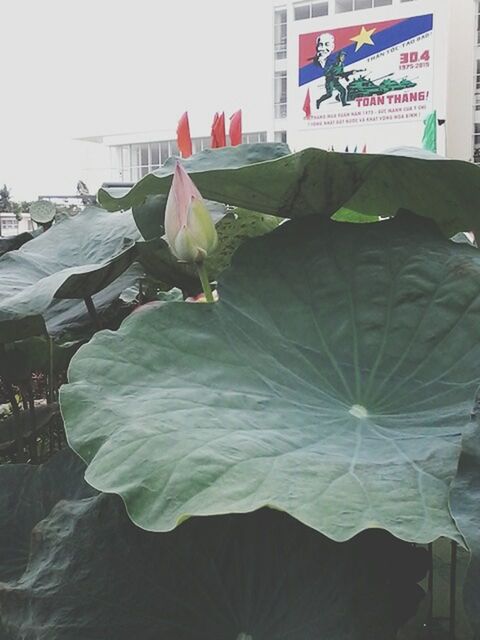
(358, 411)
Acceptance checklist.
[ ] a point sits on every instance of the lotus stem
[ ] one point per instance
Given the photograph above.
(453, 589)
(33, 420)
(430, 588)
(50, 370)
(203, 275)
(17, 421)
(92, 312)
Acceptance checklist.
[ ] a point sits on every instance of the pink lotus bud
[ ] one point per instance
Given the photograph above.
(189, 228)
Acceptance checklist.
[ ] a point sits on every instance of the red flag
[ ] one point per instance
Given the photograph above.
(235, 130)
(307, 107)
(219, 138)
(364, 150)
(184, 141)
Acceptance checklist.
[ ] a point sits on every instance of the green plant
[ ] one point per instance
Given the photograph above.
(260, 443)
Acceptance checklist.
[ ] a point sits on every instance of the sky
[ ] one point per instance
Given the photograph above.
(74, 69)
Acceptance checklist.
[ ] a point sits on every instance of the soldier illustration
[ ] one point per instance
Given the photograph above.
(333, 73)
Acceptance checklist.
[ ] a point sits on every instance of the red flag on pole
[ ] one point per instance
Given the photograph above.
(364, 150)
(307, 107)
(184, 141)
(219, 138)
(235, 130)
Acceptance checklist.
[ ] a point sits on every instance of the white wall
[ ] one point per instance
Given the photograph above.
(461, 78)
(96, 165)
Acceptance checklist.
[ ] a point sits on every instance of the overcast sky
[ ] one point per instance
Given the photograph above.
(73, 69)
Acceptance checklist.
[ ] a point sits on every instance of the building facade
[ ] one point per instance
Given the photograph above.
(130, 156)
(363, 74)
(10, 225)
(402, 60)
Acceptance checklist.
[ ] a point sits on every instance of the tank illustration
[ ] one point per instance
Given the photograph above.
(362, 87)
(389, 84)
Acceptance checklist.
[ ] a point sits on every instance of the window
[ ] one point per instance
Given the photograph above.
(280, 136)
(477, 88)
(301, 12)
(314, 9)
(136, 160)
(143, 160)
(319, 9)
(199, 144)
(252, 138)
(280, 91)
(341, 6)
(154, 156)
(478, 23)
(363, 4)
(164, 151)
(476, 144)
(8, 225)
(477, 100)
(280, 25)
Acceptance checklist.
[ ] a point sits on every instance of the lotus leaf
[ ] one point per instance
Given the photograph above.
(11, 243)
(114, 198)
(465, 504)
(78, 257)
(93, 575)
(317, 182)
(27, 495)
(334, 387)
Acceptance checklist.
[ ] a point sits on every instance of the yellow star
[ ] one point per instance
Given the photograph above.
(364, 37)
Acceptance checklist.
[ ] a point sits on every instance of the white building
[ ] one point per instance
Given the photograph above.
(404, 59)
(127, 157)
(10, 225)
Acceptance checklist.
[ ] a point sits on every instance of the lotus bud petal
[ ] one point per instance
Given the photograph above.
(189, 228)
(185, 247)
(200, 223)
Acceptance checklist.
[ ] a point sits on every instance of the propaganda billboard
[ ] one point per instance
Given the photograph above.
(370, 73)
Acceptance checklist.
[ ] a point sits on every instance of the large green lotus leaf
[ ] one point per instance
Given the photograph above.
(233, 230)
(317, 182)
(333, 381)
(27, 495)
(211, 161)
(78, 257)
(92, 575)
(465, 503)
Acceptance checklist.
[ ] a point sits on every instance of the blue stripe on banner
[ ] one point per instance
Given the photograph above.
(405, 30)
